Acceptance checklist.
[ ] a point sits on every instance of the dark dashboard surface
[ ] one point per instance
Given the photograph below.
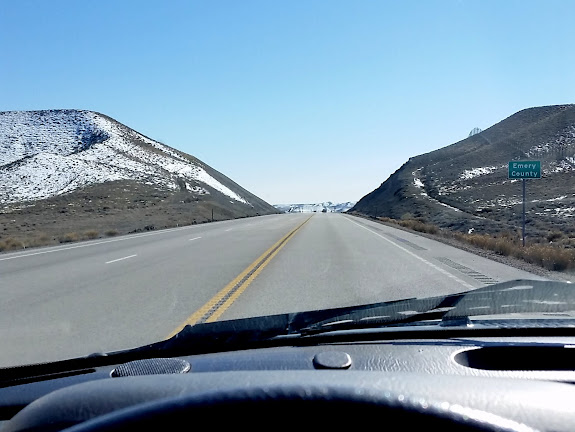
(525, 381)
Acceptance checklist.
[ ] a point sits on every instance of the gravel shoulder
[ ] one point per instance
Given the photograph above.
(567, 276)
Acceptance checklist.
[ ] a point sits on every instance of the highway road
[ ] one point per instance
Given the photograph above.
(111, 294)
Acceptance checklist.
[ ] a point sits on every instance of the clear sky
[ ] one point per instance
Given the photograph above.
(295, 100)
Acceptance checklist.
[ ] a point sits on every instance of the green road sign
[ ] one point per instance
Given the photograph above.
(524, 170)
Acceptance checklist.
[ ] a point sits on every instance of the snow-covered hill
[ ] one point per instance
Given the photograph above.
(328, 206)
(53, 152)
(465, 186)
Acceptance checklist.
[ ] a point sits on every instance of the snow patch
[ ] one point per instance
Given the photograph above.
(476, 172)
(420, 185)
(328, 206)
(47, 153)
(564, 140)
(561, 166)
(416, 180)
(560, 212)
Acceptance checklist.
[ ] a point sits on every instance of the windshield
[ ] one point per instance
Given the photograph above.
(165, 164)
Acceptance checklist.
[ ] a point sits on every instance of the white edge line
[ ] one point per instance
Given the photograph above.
(439, 269)
(123, 238)
(120, 259)
(195, 238)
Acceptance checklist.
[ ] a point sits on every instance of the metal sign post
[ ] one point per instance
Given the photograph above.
(524, 170)
(523, 230)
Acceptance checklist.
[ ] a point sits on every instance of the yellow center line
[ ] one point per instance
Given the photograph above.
(218, 304)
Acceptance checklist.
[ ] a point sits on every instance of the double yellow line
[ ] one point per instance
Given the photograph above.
(218, 304)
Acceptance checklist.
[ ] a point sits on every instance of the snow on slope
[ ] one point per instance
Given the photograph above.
(47, 153)
(317, 207)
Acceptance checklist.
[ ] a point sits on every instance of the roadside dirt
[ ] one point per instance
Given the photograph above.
(107, 210)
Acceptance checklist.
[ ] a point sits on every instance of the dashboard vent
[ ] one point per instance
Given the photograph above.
(155, 366)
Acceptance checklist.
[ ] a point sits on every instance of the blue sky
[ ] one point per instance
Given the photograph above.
(299, 100)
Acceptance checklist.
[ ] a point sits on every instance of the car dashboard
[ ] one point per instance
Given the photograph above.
(456, 383)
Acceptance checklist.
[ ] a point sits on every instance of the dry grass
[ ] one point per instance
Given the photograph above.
(111, 232)
(38, 240)
(10, 243)
(42, 239)
(91, 234)
(69, 237)
(554, 236)
(554, 251)
(415, 224)
(550, 257)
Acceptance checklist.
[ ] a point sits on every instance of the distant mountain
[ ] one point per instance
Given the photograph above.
(465, 185)
(89, 162)
(328, 206)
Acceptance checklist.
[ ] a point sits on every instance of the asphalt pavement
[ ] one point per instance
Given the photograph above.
(111, 294)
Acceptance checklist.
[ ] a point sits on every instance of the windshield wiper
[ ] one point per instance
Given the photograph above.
(513, 297)
(521, 296)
